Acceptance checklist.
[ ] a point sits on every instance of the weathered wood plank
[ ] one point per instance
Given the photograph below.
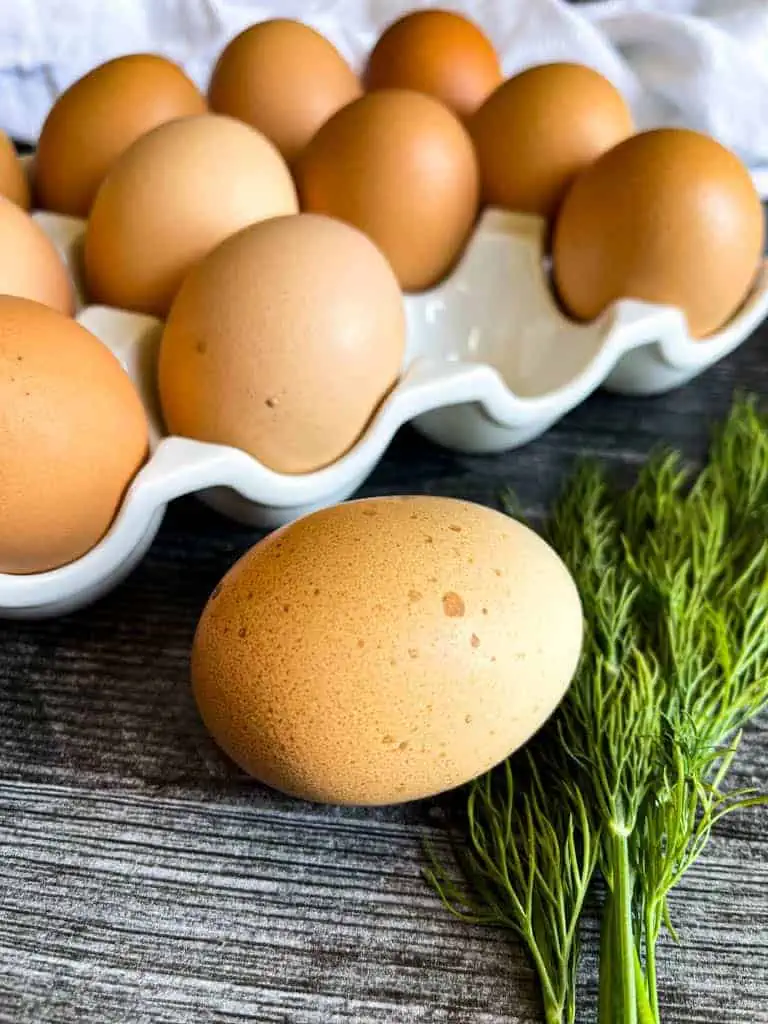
(126, 906)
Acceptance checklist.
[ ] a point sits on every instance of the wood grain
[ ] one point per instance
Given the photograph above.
(144, 879)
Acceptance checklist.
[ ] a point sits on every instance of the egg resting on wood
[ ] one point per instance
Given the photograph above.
(386, 650)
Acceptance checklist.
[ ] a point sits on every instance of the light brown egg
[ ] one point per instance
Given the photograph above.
(386, 650)
(283, 342)
(285, 79)
(30, 266)
(539, 129)
(669, 216)
(440, 53)
(170, 199)
(73, 433)
(399, 166)
(13, 178)
(97, 118)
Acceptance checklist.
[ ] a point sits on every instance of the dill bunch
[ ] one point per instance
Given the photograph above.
(629, 776)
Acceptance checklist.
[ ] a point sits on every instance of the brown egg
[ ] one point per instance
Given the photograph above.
(399, 166)
(30, 266)
(436, 52)
(97, 118)
(13, 178)
(283, 342)
(170, 199)
(73, 434)
(540, 129)
(669, 216)
(283, 78)
(386, 650)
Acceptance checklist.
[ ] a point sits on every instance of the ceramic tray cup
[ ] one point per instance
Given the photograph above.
(490, 363)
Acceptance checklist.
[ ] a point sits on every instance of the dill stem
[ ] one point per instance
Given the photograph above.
(619, 906)
(650, 964)
(553, 1015)
(645, 1012)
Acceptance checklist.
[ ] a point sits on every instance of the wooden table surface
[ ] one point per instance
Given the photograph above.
(144, 879)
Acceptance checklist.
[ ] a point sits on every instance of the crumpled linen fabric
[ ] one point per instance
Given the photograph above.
(700, 63)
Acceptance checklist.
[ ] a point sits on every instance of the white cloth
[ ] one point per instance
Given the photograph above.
(700, 63)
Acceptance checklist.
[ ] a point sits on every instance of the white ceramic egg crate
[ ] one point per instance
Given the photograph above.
(491, 363)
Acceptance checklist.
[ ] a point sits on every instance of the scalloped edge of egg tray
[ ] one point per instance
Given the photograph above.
(490, 364)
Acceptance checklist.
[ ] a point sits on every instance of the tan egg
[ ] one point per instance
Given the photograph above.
(440, 53)
(73, 433)
(13, 178)
(98, 117)
(30, 266)
(669, 216)
(285, 79)
(283, 342)
(386, 650)
(542, 127)
(170, 199)
(399, 166)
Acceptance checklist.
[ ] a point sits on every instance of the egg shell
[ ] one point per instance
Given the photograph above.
(14, 184)
(30, 266)
(539, 129)
(440, 53)
(98, 117)
(171, 198)
(386, 650)
(73, 433)
(285, 79)
(283, 342)
(401, 167)
(668, 216)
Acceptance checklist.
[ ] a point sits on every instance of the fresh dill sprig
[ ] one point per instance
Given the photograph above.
(630, 774)
(530, 853)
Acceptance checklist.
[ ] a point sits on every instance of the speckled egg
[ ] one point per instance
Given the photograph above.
(386, 650)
